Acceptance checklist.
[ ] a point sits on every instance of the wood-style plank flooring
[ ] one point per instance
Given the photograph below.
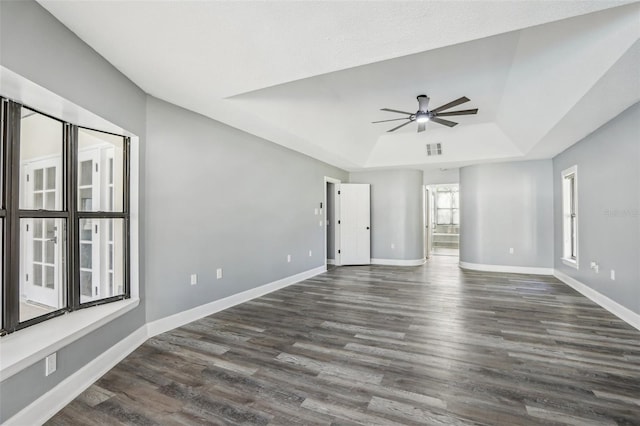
(426, 345)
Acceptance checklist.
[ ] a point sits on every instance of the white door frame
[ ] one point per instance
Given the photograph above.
(336, 213)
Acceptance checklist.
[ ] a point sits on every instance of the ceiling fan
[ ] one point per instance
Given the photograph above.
(424, 114)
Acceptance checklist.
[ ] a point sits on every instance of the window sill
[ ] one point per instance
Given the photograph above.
(25, 347)
(570, 262)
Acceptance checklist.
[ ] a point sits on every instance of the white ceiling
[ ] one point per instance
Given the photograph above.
(312, 75)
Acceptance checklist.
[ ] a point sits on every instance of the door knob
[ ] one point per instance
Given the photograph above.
(367, 227)
(54, 239)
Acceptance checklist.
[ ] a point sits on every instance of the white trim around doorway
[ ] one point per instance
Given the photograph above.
(336, 260)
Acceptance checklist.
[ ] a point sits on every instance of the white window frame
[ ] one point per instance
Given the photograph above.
(567, 257)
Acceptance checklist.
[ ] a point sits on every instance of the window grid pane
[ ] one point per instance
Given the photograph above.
(444, 216)
(41, 149)
(100, 171)
(102, 259)
(42, 267)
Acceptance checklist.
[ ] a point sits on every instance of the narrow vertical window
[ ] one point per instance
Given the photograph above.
(570, 216)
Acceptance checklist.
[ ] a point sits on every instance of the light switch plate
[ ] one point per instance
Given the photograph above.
(219, 273)
(194, 279)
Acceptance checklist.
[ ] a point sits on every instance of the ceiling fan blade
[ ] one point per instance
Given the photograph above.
(461, 112)
(423, 103)
(443, 122)
(395, 110)
(396, 128)
(422, 127)
(393, 119)
(452, 104)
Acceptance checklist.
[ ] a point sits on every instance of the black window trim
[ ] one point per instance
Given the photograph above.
(10, 112)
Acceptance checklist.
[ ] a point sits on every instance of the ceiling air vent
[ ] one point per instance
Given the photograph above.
(434, 149)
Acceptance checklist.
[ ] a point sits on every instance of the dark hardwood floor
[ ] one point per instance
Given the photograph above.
(425, 345)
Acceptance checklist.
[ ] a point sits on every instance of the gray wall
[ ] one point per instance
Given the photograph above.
(437, 176)
(221, 198)
(396, 213)
(608, 163)
(35, 45)
(506, 205)
(331, 210)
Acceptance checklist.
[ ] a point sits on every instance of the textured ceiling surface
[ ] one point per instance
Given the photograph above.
(313, 75)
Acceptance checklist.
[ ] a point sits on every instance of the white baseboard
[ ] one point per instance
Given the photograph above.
(507, 269)
(45, 407)
(331, 261)
(398, 262)
(185, 317)
(625, 314)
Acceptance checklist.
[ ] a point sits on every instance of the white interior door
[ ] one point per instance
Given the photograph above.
(355, 223)
(43, 249)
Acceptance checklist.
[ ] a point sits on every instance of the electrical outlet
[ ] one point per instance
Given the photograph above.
(315, 212)
(50, 364)
(510, 250)
(219, 273)
(194, 279)
(613, 275)
(595, 267)
(320, 223)
(289, 258)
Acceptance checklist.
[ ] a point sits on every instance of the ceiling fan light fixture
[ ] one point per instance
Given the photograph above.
(422, 118)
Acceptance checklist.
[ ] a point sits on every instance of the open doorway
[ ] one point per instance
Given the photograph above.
(443, 227)
(331, 230)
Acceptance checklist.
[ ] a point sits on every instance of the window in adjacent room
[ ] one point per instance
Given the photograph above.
(447, 211)
(570, 216)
